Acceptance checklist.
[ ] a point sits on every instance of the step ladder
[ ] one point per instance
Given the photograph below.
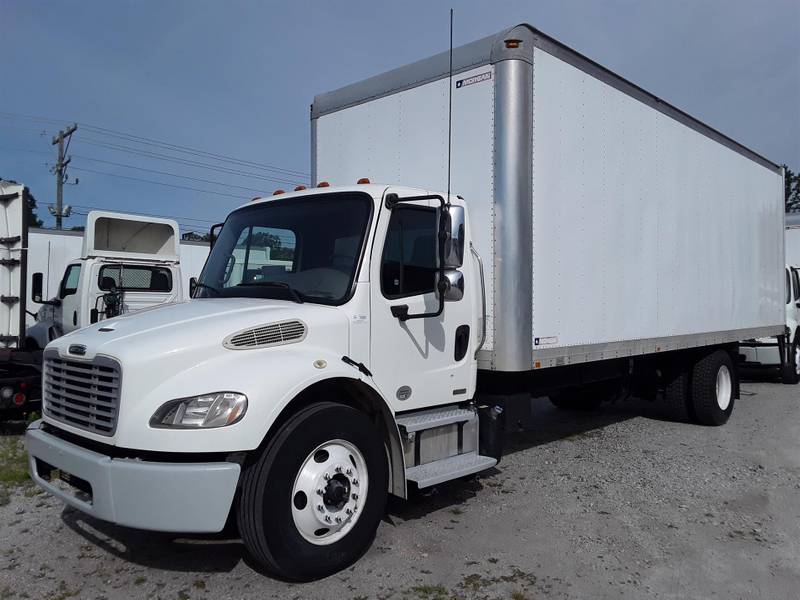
(441, 444)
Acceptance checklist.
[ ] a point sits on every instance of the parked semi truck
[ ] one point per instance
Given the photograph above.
(119, 264)
(603, 243)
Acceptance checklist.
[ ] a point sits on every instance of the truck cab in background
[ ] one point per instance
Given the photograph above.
(765, 352)
(127, 263)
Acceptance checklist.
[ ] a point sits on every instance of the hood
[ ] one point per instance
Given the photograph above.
(190, 326)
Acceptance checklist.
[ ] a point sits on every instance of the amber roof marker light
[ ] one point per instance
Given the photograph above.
(323, 184)
(278, 192)
(362, 181)
(299, 188)
(513, 44)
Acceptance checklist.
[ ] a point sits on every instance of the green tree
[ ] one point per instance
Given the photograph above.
(791, 190)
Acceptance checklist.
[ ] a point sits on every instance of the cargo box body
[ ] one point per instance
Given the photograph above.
(610, 223)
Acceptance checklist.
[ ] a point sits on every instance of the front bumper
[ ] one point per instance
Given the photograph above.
(158, 496)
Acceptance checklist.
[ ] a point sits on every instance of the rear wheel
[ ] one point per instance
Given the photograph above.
(677, 392)
(791, 371)
(312, 501)
(713, 388)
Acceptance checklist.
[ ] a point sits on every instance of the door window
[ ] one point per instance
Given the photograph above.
(135, 278)
(69, 285)
(408, 266)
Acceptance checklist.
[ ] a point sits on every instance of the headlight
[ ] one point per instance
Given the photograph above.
(209, 410)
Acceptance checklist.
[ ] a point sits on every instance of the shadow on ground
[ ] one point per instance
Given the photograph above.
(222, 552)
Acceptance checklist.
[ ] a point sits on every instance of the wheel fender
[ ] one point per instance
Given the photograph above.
(343, 376)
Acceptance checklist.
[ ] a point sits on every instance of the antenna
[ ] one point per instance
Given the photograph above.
(450, 110)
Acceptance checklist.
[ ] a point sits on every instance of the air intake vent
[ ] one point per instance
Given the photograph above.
(274, 334)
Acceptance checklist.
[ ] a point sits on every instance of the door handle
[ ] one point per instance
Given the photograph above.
(75, 318)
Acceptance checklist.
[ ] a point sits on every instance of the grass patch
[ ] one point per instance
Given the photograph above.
(13, 461)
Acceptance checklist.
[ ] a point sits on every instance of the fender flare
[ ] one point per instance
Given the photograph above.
(360, 393)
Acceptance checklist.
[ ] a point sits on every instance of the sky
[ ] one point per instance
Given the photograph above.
(235, 79)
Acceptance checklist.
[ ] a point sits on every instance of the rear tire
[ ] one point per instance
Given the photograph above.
(325, 447)
(713, 388)
(677, 392)
(790, 374)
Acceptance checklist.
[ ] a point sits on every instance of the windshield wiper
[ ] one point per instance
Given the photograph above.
(207, 287)
(296, 296)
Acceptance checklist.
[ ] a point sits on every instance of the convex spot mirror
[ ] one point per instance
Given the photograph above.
(451, 286)
(452, 226)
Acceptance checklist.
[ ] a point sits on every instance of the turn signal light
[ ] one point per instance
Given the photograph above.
(299, 188)
(362, 181)
(278, 192)
(323, 184)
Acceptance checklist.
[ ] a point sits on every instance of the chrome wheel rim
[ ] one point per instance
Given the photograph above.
(724, 387)
(329, 492)
(797, 360)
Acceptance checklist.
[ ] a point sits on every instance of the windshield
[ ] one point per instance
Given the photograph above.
(303, 249)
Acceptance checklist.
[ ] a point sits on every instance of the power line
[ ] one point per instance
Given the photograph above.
(176, 217)
(157, 172)
(164, 145)
(182, 161)
(171, 185)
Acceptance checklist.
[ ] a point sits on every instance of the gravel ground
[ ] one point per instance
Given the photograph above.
(622, 503)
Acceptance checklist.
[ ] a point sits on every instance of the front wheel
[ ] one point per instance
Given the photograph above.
(791, 371)
(311, 502)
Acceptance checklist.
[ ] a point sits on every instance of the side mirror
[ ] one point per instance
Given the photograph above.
(213, 234)
(36, 287)
(192, 286)
(452, 226)
(451, 286)
(94, 316)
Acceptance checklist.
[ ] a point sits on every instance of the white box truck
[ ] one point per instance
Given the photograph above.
(345, 342)
(121, 263)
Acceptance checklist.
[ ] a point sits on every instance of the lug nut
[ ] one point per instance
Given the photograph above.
(349, 511)
(354, 496)
(326, 476)
(338, 519)
(320, 491)
(320, 508)
(338, 469)
(355, 481)
(327, 518)
(348, 472)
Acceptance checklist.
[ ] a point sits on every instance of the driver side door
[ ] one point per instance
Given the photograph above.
(415, 362)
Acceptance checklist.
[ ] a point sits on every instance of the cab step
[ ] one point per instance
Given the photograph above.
(437, 417)
(439, 471)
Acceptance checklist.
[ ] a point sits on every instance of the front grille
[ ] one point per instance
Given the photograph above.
(84, 394)
(273, 334)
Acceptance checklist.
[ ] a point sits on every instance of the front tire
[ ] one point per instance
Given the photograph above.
(791, 371)
(311, 502)
(713, 388)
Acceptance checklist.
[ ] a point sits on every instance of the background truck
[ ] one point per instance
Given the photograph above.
(121, 263)
(606, 244)
(766, 352)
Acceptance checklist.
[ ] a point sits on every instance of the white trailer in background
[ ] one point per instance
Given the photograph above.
(606, 244)
(121, 263)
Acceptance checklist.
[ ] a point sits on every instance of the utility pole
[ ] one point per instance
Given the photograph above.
(60, 171)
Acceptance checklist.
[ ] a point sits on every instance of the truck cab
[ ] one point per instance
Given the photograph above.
(127, 263)
(765, 352)
(325, 323)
